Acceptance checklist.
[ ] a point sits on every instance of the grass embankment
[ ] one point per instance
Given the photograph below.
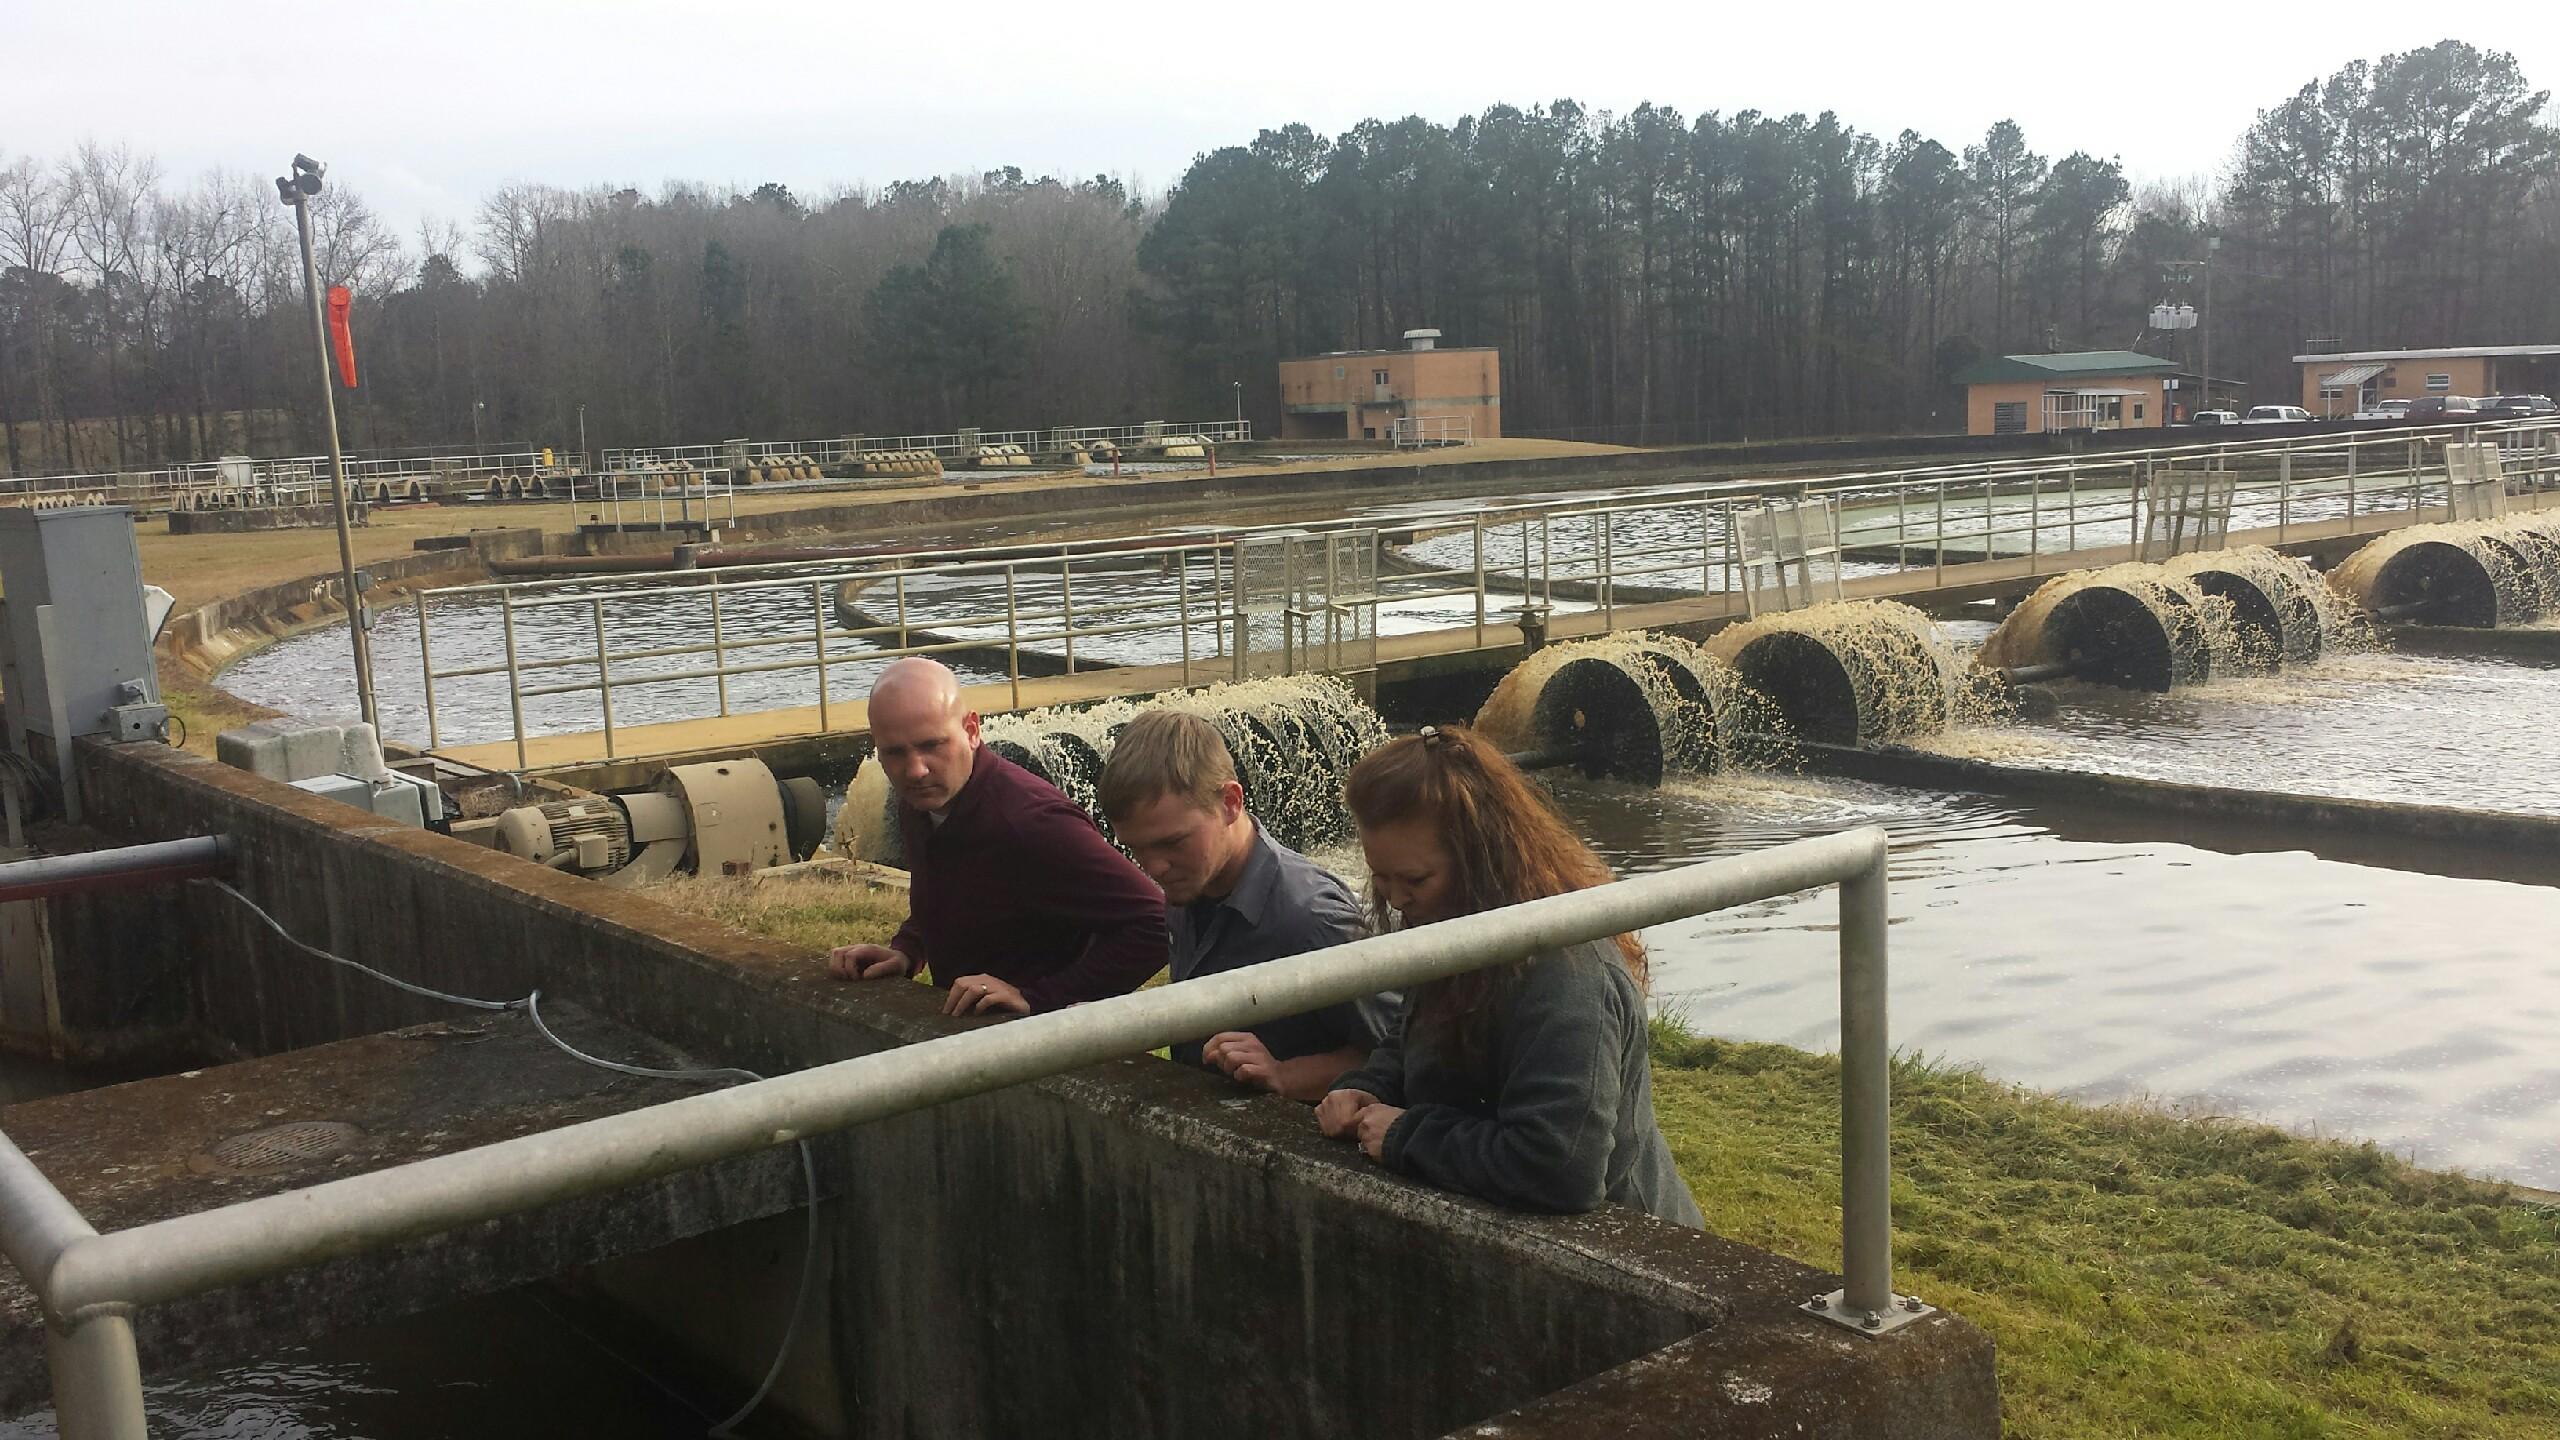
(2145, 1274)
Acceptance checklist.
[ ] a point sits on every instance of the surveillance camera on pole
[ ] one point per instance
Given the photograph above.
(296, 190)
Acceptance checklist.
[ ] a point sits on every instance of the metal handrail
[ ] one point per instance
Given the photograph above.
(949, 444)
(89, 1284)
(1996, 504)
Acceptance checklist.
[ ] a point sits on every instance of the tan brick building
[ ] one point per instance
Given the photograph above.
(2342, 384)
(1361, 394)
(2081, 390)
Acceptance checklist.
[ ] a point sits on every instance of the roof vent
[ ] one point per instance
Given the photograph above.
(1422, 339)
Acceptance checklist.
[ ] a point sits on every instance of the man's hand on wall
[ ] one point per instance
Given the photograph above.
(983, 994)
(1243, 1058)
(868, 962)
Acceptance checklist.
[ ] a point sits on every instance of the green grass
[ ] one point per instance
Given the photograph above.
(2146, 1274)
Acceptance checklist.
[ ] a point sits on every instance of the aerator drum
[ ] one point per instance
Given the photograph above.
(2121, 635)
(2277, 622)
(1628, 716)
(2453, 585)
(1848, 684)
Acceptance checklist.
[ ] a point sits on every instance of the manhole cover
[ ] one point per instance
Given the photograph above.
(282, 1145)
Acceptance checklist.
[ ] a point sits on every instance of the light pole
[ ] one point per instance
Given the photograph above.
(476, 407)
(582, 437)
(296, 190)
(1239, 407)
(2203, 322)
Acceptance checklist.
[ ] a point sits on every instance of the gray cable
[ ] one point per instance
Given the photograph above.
(531, 1005)
(394, 981)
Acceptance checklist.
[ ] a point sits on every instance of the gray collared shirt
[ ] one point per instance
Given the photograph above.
(1283, 904)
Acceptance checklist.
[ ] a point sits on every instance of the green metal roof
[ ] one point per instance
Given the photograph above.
(2077, 365)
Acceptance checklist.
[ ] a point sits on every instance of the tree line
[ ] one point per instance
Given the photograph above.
(1649, 277)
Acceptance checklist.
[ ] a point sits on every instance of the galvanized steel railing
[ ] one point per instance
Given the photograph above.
(1985, 519)
(947, 445)
(89, 1285)
(289, 479)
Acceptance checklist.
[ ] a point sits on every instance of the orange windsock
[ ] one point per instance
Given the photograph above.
(342, 341)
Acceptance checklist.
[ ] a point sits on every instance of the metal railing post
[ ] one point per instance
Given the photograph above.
(1608, 572)
(427, 671)
(1012, 638)
(515, 680)
(1938, 546)
(719, 646)
(1546, 561)
(2035, 520)
(1479, 534)
(1706, 547)
(604, 674)
(1067, 608)
(1182, 608)
(1866, 1164)
(818, 620)
(97, 1380)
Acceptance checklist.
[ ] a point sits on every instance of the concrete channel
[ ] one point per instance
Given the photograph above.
(1127, 1249)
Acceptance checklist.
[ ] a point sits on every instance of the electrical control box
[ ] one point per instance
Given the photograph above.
(77, 640)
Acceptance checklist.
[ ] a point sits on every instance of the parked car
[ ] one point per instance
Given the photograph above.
(2384, 411)
(2516, 407)
(2442, 409)
(2206, 419)
(2277, 415)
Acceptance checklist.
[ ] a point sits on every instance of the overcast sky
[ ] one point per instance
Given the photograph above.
(424, 108)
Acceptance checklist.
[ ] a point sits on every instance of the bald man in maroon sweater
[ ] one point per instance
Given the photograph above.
(1015, 901)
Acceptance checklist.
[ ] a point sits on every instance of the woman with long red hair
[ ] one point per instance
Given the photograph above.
(1527, 1083)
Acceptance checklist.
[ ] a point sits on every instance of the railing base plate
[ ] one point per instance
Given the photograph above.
(1834, 1307)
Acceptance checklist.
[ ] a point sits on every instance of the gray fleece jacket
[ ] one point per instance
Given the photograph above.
(1566, 1124)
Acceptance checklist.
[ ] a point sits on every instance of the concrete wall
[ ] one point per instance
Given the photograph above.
(1131, 1249)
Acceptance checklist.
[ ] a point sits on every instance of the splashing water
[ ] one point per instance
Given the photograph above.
(1862, 672)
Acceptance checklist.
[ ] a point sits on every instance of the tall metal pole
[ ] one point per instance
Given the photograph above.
(300, 198)
(2205, 322)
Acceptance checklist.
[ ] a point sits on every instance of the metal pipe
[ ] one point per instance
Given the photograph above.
(97, 1381)
(1866, 1163)
(362, 643)
(190, 1254)
(128, 867)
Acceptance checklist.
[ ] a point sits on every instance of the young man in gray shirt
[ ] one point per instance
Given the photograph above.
(1234, 897)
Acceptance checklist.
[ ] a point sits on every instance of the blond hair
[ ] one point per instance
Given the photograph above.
(1165, 752)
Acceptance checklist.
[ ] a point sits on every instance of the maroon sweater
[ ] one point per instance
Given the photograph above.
(1017, 883)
